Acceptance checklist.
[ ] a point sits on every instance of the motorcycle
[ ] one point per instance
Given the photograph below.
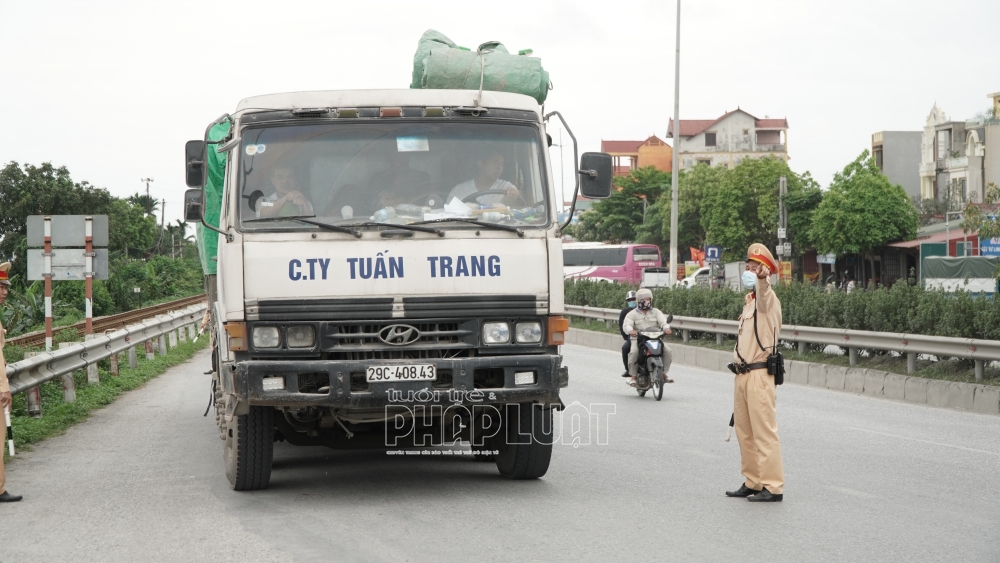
(650, 363)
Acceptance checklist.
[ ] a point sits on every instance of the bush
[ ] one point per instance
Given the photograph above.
(903, 308)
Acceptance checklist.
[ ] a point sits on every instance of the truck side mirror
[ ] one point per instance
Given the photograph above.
(193, 202)
(194, 163)
(595, 175)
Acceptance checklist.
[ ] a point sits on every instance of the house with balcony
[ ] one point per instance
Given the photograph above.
(944, 164)
(632, 155)
(727, 140)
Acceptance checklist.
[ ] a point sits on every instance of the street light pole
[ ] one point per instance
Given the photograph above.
(674, 176)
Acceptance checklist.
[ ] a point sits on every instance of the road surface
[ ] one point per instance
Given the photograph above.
(866, 480)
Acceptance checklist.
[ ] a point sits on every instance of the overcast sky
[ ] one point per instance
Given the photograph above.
(112, 90)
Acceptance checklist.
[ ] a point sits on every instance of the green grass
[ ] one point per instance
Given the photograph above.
(58, 416)
(948, 369)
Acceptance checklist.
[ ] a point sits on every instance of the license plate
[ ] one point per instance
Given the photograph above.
(419, 372)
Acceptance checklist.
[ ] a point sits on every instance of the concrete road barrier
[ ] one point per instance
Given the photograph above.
(876, 383)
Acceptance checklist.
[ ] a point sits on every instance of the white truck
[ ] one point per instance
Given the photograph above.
(390, 274)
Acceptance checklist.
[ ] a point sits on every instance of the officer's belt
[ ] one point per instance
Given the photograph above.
(747, 368)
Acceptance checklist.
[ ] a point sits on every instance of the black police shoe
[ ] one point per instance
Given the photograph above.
(625, 374)
(7, 497)
(743, 491)
(765, 496)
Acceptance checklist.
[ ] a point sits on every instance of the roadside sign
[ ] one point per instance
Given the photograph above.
(826, 259)
(67, 264)
(989, 246)
(713, 253)
(786, 270)
(781, 232)
(67, 230)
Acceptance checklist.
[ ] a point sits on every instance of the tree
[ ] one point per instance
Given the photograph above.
(130, 230)
(743, 209)
(147, 203)
(862, 211)
(984, 217)
(693, 184)
(40, 190)
(616, 219)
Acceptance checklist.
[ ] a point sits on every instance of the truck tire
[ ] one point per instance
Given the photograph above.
(249, 449)
(525, 442)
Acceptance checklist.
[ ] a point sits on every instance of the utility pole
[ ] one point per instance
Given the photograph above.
(676, 160)
(149, 207)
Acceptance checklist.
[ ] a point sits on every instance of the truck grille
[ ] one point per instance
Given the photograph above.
(399, 340)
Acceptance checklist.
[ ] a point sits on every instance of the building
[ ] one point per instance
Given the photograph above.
(944, 164)
(897, 155)
(632, 155)
(726, 141)
(990, 139)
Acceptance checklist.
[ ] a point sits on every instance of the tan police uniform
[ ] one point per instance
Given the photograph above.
(4, 384)
(754, 398)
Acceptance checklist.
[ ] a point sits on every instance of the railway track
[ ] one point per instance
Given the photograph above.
(110, 322)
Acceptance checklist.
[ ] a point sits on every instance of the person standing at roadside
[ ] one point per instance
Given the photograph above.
(754, 410)
(5, 397)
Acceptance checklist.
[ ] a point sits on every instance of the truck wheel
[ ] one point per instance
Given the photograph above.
(525, 442)
(249, 449)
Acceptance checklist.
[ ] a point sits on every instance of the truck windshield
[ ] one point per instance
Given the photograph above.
(392, 172)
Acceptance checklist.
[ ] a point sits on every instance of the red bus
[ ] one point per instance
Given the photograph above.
(609, 262)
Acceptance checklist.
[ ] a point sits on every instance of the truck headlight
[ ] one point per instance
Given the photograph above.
(496, 333)
(529, 333)
(303, 336)
(266, 337)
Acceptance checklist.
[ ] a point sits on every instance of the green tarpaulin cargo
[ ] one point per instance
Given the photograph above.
(208, 240)
(441, 64)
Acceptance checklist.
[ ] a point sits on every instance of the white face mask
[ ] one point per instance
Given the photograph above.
(749, 279)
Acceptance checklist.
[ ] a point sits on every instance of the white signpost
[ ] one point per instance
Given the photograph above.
(68, 253)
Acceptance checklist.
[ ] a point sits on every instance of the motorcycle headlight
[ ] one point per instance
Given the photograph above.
(303, 336)
(529, 333)
(266, 337)
(496, 333)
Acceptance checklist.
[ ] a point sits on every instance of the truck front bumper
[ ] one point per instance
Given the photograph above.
(248, 385)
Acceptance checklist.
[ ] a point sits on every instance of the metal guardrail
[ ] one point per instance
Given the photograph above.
(47, 366)
(103, 324)
(910, 344)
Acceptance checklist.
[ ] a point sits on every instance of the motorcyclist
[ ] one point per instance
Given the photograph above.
(641, 319)
(627, 346)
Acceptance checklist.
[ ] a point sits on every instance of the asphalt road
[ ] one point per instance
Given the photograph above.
(866, 480)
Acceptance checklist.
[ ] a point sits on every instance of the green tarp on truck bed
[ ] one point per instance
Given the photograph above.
(971, 267)
(441, 64)
(208, 240)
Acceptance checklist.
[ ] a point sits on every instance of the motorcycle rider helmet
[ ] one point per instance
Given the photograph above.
(630, 299)
(644, 298)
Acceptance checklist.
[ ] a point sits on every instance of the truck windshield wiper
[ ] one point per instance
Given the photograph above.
(405, 227)
(306, 219)
(510, 228)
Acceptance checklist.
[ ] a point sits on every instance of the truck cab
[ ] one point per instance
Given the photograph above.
(388, 274)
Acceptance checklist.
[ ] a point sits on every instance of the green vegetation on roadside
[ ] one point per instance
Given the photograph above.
(58, 416)
(903, 308)
(953, 369)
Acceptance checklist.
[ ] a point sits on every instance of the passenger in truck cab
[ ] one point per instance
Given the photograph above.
(286, 200)
(400, 182)
(489, 169)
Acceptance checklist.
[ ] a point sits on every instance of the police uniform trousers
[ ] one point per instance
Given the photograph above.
(757, 431)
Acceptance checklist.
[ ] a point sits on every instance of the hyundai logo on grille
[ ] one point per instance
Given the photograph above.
(399, 335)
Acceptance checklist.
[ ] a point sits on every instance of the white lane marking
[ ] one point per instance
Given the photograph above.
(924, 441)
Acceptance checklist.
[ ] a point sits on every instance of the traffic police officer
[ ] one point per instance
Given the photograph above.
(5, 399)
(754, 401)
